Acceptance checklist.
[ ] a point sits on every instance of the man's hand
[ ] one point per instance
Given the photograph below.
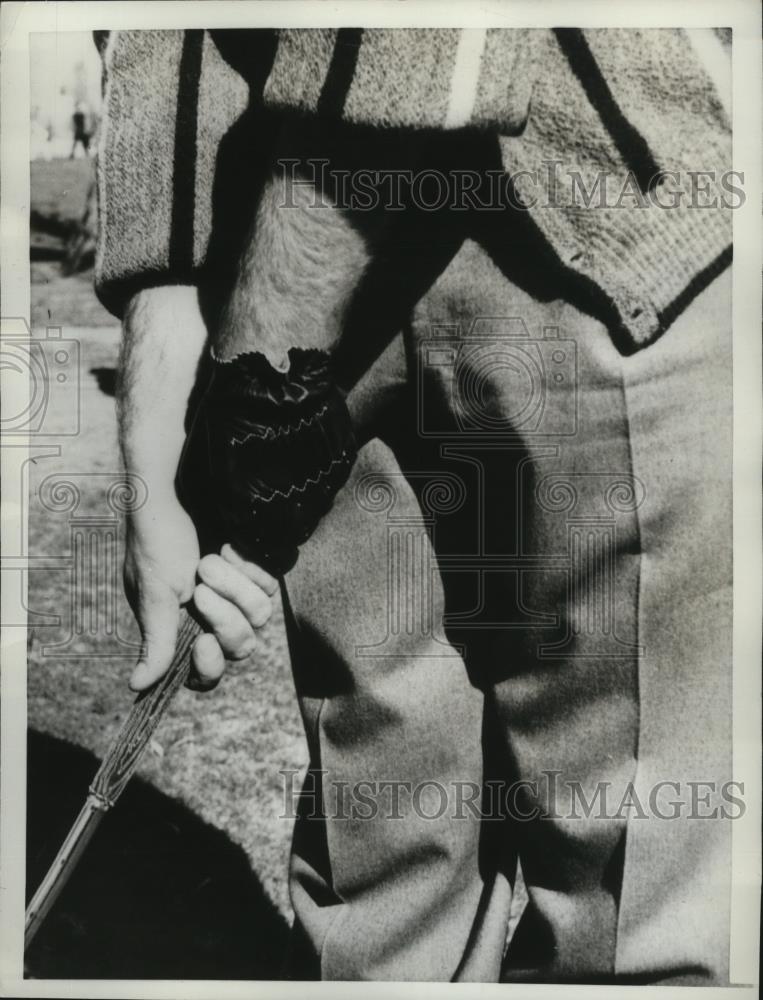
(233, 596)
(163, 571)
(161, 558)
(163, 337)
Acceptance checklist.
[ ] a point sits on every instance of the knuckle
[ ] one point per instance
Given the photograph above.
(263, 579)
(268, 583)
(203, 598)
(244, 648)
(262, 610)
(209, 569)
(208, 660)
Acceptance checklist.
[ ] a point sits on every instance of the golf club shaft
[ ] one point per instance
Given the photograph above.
(64, 864)
(115, 771)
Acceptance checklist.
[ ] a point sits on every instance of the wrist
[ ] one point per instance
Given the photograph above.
(163, 339)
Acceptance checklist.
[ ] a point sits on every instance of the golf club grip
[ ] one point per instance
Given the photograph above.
(148, 708)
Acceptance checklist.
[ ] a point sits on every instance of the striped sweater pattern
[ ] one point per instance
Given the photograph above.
(633, 112)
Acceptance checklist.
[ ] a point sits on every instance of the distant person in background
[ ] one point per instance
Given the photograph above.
(82, 130)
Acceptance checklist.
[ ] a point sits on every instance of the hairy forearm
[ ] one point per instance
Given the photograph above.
(163, 339)
(302, 262)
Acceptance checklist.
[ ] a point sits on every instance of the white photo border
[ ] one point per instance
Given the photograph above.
(17, 21)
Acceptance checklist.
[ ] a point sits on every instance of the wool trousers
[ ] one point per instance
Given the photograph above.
(511, 645)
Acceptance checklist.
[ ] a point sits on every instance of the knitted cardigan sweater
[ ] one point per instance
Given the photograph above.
(634, 109)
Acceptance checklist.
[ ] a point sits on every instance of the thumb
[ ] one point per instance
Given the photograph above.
(159, 624)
